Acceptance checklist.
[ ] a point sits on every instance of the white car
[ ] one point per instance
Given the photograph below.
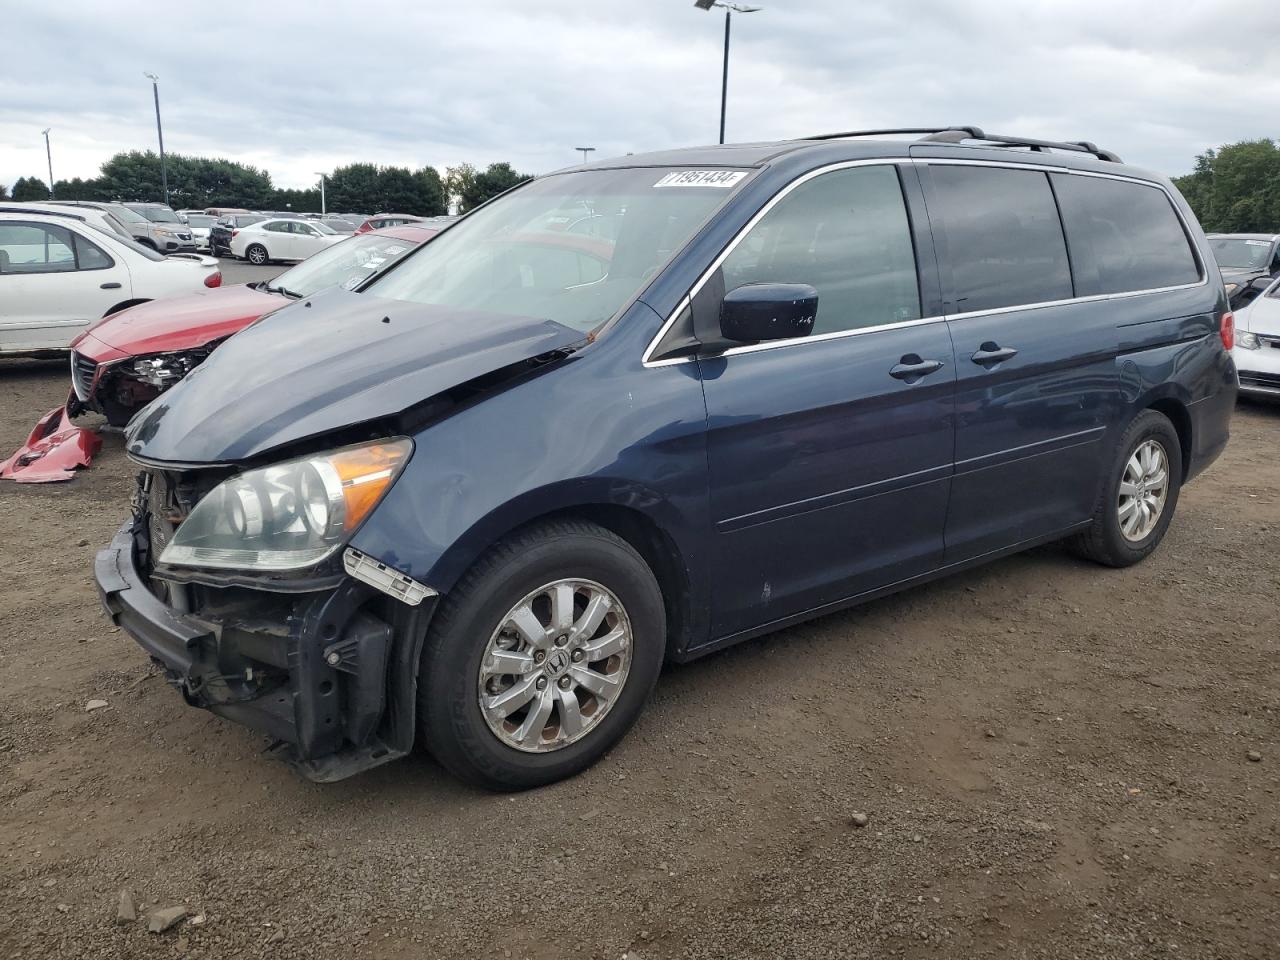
(59, 274)
(201, 224)
(269, 240)
(91, 215)
(1257, 349)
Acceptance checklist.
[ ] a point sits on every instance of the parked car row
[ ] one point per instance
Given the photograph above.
(477, 499)
(127, 360)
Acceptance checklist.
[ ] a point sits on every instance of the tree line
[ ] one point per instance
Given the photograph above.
(199, 182)
(1236, 188)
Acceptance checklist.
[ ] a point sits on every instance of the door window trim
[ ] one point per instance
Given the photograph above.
(686, 301)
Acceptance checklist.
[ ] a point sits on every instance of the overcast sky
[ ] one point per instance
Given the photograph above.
(300, 87)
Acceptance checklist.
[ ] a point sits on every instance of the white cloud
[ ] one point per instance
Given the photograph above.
(296, 87)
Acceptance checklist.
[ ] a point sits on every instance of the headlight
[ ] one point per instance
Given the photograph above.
(165, 369)
(166, 231)
(1247, 340)
(291, 515)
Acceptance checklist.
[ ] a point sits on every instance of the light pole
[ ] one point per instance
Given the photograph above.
(320, 174)
(48, 152)
(729, 9)
(585, 151)
(164, 169)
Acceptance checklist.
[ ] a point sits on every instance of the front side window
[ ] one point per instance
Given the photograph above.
(844, 233)
(1004, 240)
(35, 248)
(1124, 236)
(503, 258)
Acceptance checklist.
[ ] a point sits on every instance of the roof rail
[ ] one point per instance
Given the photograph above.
(959, 134)
(33, 208)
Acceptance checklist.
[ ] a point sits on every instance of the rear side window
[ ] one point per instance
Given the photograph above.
(844, 233)
(1124, 236)
(1004, 238)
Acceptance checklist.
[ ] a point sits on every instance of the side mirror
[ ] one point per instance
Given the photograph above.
(768, 311)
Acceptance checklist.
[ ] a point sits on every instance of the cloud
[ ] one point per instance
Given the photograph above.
(298, 87)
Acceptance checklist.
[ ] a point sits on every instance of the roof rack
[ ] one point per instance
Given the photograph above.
(958, 134)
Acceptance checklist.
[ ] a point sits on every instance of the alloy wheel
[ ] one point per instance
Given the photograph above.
(555, 666)
(1144, 489)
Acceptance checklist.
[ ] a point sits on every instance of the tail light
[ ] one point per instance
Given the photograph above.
(214, 279)
(1227, 330)
(234, 232)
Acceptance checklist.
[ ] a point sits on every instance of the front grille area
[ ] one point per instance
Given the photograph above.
(1254, 378)
(83, 372)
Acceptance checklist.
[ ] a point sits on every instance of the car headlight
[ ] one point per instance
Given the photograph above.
(166, 231)
(166, 369)
(1247, 340)
(291, 515)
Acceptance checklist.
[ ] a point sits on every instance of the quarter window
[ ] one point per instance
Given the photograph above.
(844, 233)
(1004, 239)
(89, 256)
(1124, 236)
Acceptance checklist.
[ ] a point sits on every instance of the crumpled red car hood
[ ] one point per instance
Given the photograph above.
(179, 323)
(53, 451)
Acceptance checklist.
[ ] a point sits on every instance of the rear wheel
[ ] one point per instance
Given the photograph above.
(542, 657)
(256, 254)
(1138, 499)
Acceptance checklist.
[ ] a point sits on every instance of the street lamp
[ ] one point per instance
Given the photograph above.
(320, 174)
(49, 154)
(585, 151)
(164, 169)
(729, 9)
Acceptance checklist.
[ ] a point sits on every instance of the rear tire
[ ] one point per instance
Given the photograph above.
(1123, 529)
(516, 750)
(257, 255)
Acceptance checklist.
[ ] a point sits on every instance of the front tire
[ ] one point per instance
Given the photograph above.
(1139, 496)
(542, 657)
(256, 254)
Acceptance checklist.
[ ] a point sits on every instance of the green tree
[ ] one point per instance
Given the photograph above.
(495, 179)
(4, 192)
(298, 201)
(78, 189)
(30, 188)
(1236, 188)
(193, 181)
(430, 190)
(459, 182)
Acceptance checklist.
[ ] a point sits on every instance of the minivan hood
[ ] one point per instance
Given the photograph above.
(331, 361)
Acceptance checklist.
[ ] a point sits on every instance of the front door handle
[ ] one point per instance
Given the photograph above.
(110, 286)
(911, 368)
(989, 354)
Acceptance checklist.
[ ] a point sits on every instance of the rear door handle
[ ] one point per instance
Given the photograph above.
(110, 286)
(911, 368)
(989, 354)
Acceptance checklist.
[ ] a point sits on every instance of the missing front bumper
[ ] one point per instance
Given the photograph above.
(330, 675)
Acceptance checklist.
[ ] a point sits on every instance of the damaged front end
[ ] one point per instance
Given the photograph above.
(323, 661)
(118, 389)
(54, 450)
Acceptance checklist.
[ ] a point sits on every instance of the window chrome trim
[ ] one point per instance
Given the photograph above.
(687, 300)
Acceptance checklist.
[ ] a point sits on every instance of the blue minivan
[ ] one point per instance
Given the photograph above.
(641, 409)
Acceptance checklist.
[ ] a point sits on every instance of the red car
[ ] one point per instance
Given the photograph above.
(126, 360)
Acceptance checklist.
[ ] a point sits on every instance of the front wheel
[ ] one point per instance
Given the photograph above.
(542, 657)
(1139, 496)
(256, 254)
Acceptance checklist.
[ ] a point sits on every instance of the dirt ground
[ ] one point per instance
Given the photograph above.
(1054, 760)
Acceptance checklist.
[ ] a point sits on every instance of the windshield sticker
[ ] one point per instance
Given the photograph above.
(702, 178)
(1258, 243)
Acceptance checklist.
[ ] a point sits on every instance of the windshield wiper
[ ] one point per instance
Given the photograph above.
(286, 291)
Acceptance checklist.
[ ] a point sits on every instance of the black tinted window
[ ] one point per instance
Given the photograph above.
(1124, 236)
(846, 234)
(1004, 238)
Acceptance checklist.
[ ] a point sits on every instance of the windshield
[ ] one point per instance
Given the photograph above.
(346, 263)
(129, 242)
(1240, 254)
(156, 214)
(515, 256)
(125, 214)
(200, 220)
